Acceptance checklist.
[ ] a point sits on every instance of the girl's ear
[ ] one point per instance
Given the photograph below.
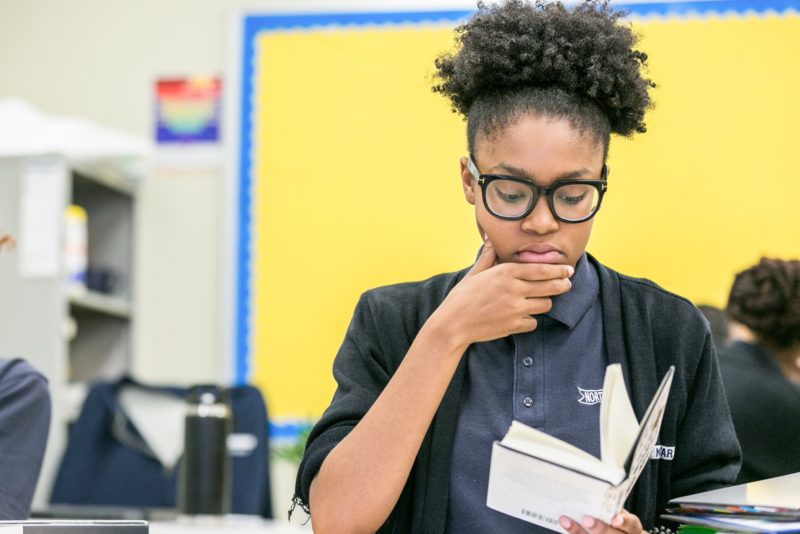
(467, 182)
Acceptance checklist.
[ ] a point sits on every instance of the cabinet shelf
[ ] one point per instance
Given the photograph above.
(106, 304)
(70, 337)
(108, 173)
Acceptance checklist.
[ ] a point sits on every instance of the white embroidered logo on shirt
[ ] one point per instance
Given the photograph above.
(590, 396)
(660, 452)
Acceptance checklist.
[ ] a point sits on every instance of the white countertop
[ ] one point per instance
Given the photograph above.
(222, 525)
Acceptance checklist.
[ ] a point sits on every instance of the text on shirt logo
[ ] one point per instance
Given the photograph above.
(590, 396)
(660, 452)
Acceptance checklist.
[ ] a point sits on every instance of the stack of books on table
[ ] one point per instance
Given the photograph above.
(771, 505)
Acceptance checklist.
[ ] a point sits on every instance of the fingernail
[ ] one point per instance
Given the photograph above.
(617, 521)
(570, 270)
(564, 522)
(588, 522)
(485, 236)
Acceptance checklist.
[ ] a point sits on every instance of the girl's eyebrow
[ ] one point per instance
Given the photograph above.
(514, 171)
(521, 173)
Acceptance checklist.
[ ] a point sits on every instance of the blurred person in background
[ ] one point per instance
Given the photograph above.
(762, 376)
(739, 332)
(718, 321)
(24, 425)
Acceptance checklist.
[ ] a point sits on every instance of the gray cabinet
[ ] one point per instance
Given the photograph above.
(74, 338)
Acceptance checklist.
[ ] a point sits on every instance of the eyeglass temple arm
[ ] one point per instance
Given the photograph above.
(473, 169)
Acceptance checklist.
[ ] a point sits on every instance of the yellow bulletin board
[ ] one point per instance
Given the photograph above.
(348, 171)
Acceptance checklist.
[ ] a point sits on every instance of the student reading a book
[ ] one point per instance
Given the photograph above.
(431, 373)
(762, 377)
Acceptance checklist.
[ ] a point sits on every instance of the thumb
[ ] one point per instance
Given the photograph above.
(486, 260)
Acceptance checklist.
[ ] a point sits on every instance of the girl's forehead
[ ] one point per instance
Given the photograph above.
(532, 136)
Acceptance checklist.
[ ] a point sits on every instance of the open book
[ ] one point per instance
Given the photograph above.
(538, 478)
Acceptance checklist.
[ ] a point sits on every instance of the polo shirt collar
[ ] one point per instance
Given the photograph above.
(570, 307)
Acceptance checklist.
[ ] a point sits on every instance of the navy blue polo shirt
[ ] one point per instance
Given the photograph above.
(548, 379)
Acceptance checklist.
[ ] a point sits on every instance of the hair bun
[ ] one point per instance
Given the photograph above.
(766, 298)
(583, 50)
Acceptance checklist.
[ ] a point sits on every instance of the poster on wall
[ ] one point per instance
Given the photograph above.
(187, 110)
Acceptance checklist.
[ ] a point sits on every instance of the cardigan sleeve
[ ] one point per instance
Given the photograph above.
(361, 373)
(24, 425)
(711, 456)
(385, 322)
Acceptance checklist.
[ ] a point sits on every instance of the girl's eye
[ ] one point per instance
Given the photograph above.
(572, 194)
(510, 197)
(509, 192)
(571, 200)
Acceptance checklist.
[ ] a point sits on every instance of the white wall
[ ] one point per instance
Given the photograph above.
(98, 59)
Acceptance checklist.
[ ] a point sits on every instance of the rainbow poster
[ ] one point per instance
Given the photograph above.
(187, 110)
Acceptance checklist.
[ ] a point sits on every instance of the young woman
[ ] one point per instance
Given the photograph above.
(762, 376)
(431, 373)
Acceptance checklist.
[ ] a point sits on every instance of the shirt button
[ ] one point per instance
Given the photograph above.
(527, 361)
(528, 402)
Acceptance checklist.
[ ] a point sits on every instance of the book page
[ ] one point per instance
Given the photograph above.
(536, 443)
(530, 440)
(618, 424)
(539, 492)
(649, 429)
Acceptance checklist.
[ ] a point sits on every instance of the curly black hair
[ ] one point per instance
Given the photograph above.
(578, 64)
(766, 299)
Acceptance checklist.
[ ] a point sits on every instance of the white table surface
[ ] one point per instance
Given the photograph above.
(223, 525)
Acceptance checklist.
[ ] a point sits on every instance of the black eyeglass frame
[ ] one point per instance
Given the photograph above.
(485, 179)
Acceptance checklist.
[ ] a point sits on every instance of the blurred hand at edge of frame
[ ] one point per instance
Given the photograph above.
(7, 242)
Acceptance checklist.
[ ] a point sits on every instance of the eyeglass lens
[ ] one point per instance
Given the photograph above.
(571, 201)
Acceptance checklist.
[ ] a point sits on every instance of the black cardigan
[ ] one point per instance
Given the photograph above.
(646, 329)
(766, 411)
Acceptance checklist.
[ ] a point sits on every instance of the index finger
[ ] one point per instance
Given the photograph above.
(536, 272)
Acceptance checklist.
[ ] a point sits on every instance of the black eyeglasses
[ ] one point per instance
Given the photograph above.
(512, 198)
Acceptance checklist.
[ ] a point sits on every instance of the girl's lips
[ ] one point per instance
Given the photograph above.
(528, 256)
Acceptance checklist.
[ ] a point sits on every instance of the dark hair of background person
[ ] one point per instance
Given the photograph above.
(766, 299)
(718, 321)
(579, 64)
